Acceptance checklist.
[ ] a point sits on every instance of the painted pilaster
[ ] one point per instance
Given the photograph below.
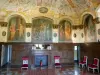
(3, 31)
(28, 32)
(55, 34)
(78, 34)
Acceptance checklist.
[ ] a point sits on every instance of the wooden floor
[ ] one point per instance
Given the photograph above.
(66, 70)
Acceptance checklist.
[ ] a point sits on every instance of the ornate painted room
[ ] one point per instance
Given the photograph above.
(49, 37)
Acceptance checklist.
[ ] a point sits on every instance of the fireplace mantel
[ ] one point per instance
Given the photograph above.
(41, 52)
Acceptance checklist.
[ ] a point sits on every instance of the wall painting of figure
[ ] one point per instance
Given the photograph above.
(16, 29)
(65, 31)
(89, 29)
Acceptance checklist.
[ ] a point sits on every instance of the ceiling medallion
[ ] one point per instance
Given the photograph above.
(43, 10)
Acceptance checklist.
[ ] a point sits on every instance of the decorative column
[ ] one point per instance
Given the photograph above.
(55, 34)
(3, 31)
(28, 32)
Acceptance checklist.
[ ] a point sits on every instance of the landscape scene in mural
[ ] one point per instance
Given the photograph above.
(16, 28)
(42, 30)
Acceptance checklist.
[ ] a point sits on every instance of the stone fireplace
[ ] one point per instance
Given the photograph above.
(41, 55)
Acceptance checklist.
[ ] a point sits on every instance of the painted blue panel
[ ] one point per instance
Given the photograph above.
(43, 58)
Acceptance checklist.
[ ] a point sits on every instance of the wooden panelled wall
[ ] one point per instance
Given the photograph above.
(92, 50)
(65, 51)
(0, 54)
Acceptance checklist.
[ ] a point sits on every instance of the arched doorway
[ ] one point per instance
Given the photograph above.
(16, 29)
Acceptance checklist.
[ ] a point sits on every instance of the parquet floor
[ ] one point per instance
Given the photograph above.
(66, 70)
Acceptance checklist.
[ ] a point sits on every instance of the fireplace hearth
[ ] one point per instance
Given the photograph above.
(41, 59)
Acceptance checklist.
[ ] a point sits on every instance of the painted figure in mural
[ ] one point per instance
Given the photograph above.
(12, 31)
(89, 30)
(41, 34)
(67, 31)
(21, 30)
(47, 34)
(61, 32)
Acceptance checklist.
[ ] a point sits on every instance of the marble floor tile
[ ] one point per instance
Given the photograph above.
(65, 70)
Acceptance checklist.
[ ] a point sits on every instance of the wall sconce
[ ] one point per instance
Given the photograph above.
(74, 35)
(82, 35)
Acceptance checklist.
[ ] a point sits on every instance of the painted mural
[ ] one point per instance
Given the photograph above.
(56, 9)
(65, 7)
(65, 31)
(90, 33)
(41, 30)
(16, 29)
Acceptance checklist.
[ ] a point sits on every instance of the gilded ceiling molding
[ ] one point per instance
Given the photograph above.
(14, 15)
(77, 27)
(81, 26)
(28, 25)
(44, 17)
(74, 27)
(71, 20)
(96, 20)
(3, 24)
(55, 26)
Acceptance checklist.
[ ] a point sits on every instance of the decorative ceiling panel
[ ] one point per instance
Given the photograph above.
(66, 7)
